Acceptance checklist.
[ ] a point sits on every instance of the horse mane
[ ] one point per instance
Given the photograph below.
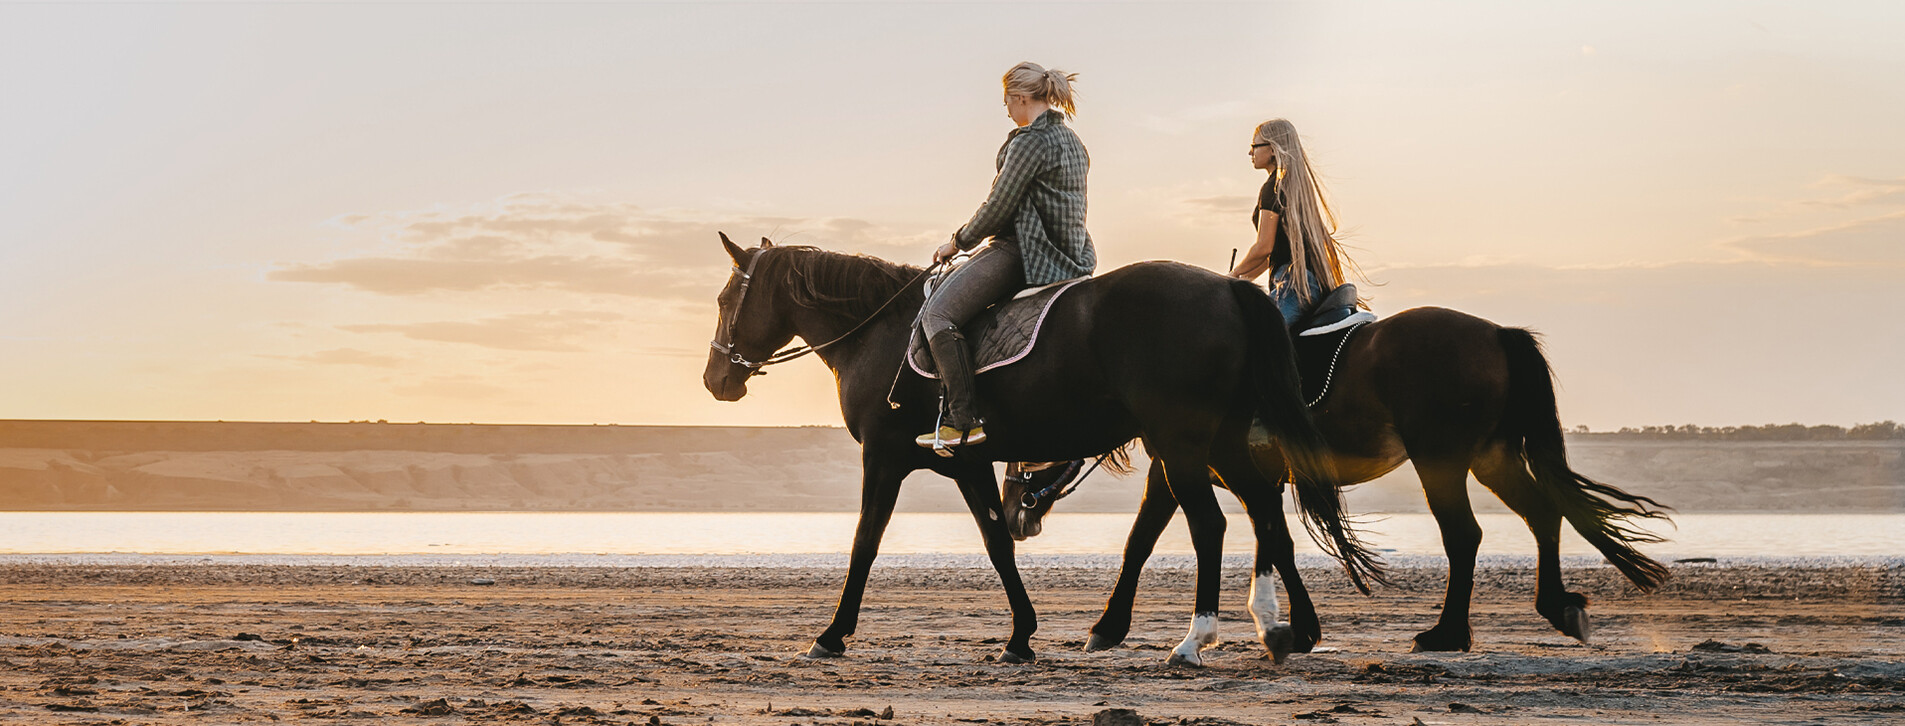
(840, 283)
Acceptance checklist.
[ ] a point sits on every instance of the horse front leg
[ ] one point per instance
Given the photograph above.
(980, 487)
(1153, 514)
(879, 489)
(1187, 470)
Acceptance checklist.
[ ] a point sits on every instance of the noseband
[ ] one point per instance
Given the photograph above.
(754, 367)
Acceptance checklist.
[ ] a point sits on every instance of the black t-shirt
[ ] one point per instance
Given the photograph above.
(1268, 200)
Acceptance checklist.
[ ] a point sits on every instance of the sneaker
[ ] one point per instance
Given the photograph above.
(947, 437)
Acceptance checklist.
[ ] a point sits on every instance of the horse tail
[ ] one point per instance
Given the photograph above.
(1600, 512)
(1278, 392)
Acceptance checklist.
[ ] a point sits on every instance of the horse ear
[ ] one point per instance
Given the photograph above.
(765, 243)
(734, 251)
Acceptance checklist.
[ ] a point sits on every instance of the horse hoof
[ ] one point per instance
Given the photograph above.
(1576, 624)
(1008, 656)
(1279, 640)
(1098, 642)
(1179, 659)
(821, 651)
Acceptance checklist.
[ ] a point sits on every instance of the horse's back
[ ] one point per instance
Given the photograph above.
(1430, 367)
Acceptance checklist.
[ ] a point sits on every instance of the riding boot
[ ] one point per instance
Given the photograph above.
(961, 424)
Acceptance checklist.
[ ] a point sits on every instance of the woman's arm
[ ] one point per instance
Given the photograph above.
(1257, 260)
(1024, 159)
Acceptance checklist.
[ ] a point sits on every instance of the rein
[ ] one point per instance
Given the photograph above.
(754, 367)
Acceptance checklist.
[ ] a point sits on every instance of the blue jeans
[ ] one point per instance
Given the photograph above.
(1284, 293)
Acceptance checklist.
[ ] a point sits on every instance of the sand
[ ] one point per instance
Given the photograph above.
(134, 644)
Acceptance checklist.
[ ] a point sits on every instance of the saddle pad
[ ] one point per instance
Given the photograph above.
(1318, 358)
(999, 336)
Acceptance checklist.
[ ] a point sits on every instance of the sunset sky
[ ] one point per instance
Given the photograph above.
(507, 212)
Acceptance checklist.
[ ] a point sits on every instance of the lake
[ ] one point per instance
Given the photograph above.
(699, 533)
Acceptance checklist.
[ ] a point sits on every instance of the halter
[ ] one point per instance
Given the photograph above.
(754, 367)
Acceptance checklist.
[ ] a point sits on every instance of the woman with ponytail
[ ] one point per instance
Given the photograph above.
(1035, 218)
(1296, 230)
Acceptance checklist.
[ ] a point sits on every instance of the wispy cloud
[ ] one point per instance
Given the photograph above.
(343, 356)
(1234, 204)
(551, 242)
(1871, 241)
(1852, 192)
(562, 331)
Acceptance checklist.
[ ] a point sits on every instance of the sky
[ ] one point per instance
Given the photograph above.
(507, 212)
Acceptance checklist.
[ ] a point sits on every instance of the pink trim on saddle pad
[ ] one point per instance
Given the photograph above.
(1030, 343)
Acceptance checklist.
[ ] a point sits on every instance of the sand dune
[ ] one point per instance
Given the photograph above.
(67, 465)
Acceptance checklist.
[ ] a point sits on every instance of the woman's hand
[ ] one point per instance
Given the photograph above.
(945, 252)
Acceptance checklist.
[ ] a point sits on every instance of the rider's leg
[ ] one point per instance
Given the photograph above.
(1283, 292)
(991, 274)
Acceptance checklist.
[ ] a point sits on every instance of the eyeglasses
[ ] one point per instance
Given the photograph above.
(1254, 147)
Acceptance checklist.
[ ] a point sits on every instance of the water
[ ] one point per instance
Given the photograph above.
(676, 534)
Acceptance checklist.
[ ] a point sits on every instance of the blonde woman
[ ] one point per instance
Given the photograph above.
(1296, 231)
(1035, 217)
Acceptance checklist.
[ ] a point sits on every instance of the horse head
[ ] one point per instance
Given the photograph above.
(1029, 492)
(751, 326)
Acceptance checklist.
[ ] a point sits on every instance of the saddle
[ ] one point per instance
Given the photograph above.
(1326, 330)
(1336, 311)
(1001, 335)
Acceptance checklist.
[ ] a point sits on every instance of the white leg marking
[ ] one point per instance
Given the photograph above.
(1202, 635)
(1263, 603)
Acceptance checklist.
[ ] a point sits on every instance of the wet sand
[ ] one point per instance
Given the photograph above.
(133, 644)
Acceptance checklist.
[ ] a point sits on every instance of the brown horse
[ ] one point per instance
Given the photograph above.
(1182, 356)
(1455, 394)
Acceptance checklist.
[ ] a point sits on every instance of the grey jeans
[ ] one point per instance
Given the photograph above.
(992, 274)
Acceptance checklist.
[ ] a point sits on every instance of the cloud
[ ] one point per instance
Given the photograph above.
(444, 272)
(343, 356)
(1865, 192)
(1186, 118)
(1857, 192)
(550, 242)
(1873, 241)
(550, 331)
(1238, 204)
(455, 388)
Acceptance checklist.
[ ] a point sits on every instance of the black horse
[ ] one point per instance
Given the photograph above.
(1178, 355)
(1454, 394)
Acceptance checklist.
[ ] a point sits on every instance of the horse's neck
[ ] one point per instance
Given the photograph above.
(876, 339)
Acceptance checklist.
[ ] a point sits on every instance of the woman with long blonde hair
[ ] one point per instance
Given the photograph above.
(1296, 229)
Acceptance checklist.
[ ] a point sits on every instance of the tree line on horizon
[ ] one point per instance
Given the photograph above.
(1880, 431)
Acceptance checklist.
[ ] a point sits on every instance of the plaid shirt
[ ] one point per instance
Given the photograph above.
(1038, 199)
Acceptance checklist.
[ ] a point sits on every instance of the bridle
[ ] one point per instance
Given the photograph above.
(734, 316)
(1058, 489)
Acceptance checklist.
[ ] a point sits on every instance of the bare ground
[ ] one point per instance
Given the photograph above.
(224, 644)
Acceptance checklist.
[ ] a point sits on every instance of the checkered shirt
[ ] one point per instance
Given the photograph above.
(1038, 199)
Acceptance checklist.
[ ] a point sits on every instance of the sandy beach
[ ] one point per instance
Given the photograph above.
(171, 643)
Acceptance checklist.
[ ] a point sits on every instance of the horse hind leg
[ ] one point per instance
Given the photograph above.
(1153, 514)
(1262, 500)
(1504, 473)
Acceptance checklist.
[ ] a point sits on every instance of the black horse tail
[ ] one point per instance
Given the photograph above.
(1278, 392)
(1601, 513)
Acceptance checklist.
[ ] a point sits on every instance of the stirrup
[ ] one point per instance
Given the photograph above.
(946, 438)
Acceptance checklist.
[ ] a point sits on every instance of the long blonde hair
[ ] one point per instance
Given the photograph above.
(1307, 220)
(1053, 86)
